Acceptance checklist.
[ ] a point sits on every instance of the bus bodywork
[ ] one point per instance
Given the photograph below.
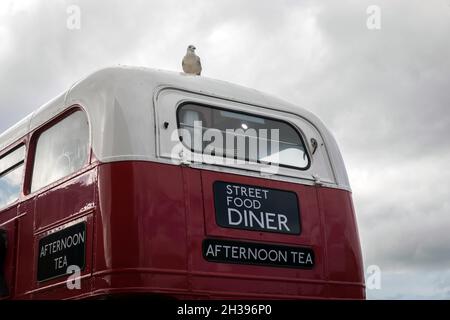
(137, 218)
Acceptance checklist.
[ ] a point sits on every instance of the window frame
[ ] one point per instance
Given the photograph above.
(12, 148)
(33, 147)
(250, 114)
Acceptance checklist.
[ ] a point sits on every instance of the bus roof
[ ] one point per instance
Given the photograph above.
(125, 91)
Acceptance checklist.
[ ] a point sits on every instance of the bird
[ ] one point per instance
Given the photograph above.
(191, 62)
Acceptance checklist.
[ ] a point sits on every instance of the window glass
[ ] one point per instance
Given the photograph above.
(61, 150)
(11, 172)
(12, 158)
(241, 135)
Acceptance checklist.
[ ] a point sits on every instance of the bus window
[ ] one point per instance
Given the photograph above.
(285, 148)
(61, 150)
(11, 171)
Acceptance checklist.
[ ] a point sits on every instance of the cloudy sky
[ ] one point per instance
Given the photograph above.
(384, 93)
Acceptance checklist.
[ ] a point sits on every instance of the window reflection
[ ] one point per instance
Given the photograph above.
(61, 150)
(253, 138)
(12, 159)
(10, 184)
(11, 172)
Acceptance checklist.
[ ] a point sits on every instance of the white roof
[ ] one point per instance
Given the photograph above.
(119, 100)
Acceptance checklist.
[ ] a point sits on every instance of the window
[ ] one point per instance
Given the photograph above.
(11, 173)
(241, 136)
(61, 150)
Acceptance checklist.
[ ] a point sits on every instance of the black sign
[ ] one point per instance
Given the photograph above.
(227, 251)
(256, 208)
(60, 250)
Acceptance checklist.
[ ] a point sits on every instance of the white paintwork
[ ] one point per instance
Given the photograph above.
(127, 107)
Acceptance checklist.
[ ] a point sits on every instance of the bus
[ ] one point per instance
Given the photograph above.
(123, 186)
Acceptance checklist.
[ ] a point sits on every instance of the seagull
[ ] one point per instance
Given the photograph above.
(191, 62)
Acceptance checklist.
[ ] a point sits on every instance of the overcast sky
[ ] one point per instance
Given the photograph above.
(384, 93)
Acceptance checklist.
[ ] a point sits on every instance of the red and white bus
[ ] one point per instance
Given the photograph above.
(104, 183)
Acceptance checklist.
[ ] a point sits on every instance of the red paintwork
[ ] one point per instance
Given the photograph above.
(145, 226)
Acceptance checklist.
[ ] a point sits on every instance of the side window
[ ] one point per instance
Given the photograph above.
(241, 135)
(11, 173)
(61, 150)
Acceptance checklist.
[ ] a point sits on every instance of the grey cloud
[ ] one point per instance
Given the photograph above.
(420, 285)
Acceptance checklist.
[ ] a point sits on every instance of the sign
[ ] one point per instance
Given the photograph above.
(256, 208)
(60, 250)
(228, 251)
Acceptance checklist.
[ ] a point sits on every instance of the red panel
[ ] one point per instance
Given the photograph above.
(57, 207)
(343, 246)
(154, 217)
(141, 229)
(25, 249)
(309, 215)
(65, 200)
(149, 224)
(57, 288)
(8, 223)
(260, 279)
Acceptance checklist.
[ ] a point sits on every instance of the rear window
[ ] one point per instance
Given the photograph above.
(238, 135)
(61, 150)
(11, 174)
